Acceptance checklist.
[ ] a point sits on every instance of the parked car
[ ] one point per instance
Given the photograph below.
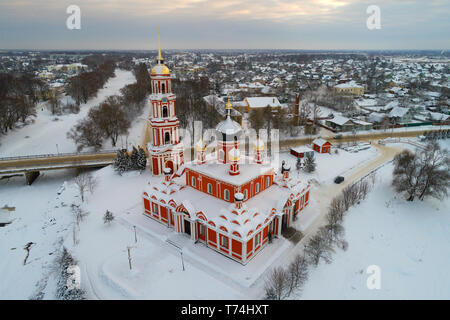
(338, 179)
(338, 136)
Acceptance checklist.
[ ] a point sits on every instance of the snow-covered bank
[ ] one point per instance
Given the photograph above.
(48, 132)
(409, 241)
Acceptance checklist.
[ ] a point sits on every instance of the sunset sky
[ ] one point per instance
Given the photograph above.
(225, 24)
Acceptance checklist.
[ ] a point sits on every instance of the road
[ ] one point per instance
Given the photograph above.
(324, 195)
(358, 137)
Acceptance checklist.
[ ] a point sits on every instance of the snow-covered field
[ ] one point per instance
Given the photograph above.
(409, 241)
(48, 132)
(331, 165)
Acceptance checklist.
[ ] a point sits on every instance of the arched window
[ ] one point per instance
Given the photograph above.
(245, 194)
(163, 88)
(257, 188)
(165, 112)
(221, 154)
(267, 182)
(226, 194)
(193, 181)
(209, 188)
(167, 138)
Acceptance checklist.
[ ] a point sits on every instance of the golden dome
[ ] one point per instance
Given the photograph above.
(234, 154)
(160, 69)
(200, 145)
(259, 145)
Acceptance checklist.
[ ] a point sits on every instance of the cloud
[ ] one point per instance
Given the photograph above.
(307, 24)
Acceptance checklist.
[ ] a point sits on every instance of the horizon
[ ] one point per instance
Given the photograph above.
(309, 25)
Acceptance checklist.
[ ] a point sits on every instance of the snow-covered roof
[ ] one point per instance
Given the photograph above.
(320, 142)
(339, 120)
(398, 112)
(302, 149)
(262, 102)
(237, 222)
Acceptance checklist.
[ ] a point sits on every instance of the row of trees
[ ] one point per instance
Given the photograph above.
(113, 117)
(422, 173)
(18, 98)
(190, 104)
(85, 85)
(435, 135)
(282, 282)
(105, 121)
(124, 161)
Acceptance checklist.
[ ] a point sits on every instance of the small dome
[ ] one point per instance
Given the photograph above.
(200, 145)
(259, 145)
(234, 154)
(160, 69)
(228, 129)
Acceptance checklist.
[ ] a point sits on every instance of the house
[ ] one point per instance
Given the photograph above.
(350, 87)
(362, 125)
(321, 146)
(260, 102)
(399, 115)
(340, 123)
(301, 152)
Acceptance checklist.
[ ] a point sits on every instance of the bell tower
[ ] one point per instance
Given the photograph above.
(164, 148)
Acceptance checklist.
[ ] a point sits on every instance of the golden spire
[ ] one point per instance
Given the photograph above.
(160, 58)
(228, 107)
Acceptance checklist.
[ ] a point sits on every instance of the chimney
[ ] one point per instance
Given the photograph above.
(296, 107)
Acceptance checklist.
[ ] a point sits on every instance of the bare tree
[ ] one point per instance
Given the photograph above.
(436, 164)
(298, 273)
(85, 183)
(317, 249)
(424, 173)
(277, 283)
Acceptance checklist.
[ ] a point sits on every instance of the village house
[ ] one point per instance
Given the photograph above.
(321, 145)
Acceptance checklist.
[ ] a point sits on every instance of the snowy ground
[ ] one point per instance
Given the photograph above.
(409, 241)
(48, 132)
(331, 165)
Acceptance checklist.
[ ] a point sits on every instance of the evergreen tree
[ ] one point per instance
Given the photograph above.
(134, 159)
(64, 262)
(298, 165)
(310, 163)
(122, 162)
(142, 159)
(108, 217)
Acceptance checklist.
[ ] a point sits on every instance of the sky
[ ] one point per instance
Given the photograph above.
(226, 24)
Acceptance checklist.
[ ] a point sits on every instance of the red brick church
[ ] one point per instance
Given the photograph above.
(226, 201)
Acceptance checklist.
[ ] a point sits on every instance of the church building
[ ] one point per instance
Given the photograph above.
(226, 201)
